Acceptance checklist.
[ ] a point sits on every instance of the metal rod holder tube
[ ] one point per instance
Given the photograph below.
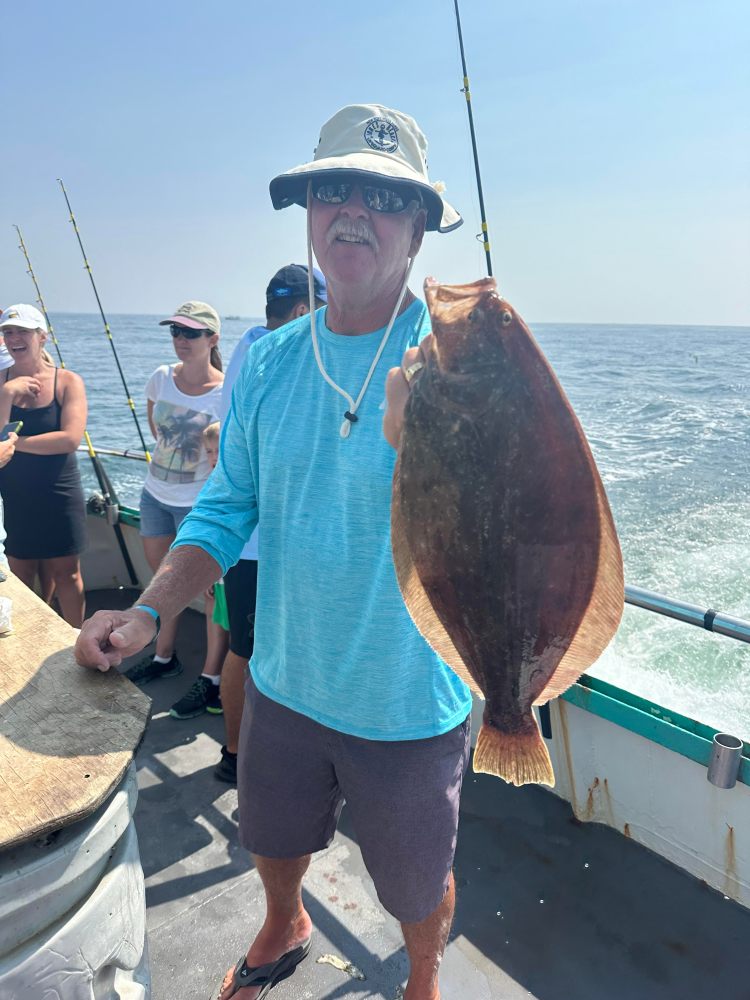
(724, 765)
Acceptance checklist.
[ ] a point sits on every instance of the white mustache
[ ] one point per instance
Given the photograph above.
(355, 228)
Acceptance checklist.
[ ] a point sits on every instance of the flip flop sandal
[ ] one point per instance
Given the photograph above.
(266, 976)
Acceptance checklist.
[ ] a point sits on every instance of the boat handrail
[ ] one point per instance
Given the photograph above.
(706, 618)
(692, 614)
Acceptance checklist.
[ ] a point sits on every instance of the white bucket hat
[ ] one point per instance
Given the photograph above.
(374, 142)
(24, 316)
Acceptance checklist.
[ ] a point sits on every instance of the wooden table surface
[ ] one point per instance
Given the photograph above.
(67, 734)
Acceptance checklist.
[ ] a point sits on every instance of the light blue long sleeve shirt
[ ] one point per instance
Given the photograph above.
(333, 638)
(234, 367)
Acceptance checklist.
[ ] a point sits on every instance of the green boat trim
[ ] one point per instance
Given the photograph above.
(654, 722)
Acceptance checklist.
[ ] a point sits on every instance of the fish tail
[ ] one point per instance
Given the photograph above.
(518, 758)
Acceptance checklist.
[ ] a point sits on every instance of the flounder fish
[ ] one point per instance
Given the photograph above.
(503, 541)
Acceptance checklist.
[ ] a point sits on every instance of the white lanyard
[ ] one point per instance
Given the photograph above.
(350, 417)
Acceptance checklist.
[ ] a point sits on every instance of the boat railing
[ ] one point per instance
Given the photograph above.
(692, 614)
(705, 618)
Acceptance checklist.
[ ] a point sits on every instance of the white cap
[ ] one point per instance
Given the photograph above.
(376, 143)
(25, 316)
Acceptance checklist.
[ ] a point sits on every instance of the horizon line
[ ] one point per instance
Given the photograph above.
(234, 317)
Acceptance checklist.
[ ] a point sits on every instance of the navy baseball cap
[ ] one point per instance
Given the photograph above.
(291, 281)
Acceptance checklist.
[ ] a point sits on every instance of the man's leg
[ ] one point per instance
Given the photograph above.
(203, 693)
(403, 798)
(287, 922)
(240, 588)
(217, 641)
(233, 676)
(289, 803)
(425, 944)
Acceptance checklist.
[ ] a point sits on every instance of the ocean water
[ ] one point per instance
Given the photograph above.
(667, 414)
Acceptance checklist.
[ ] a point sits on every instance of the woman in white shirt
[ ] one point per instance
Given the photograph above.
(183, 399)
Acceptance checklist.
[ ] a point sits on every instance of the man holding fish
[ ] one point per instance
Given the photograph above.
(345, 699)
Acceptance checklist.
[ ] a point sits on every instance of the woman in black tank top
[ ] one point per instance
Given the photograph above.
(45, 516)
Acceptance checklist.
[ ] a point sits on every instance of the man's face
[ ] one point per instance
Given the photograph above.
(362, 249)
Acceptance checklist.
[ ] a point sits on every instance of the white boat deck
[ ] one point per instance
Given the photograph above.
(548, 908)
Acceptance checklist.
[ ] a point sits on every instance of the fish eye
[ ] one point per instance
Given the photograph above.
(472, 315)
(507, 317)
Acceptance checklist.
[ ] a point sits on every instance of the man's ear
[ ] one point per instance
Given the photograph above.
(420, 222)
(301, 309)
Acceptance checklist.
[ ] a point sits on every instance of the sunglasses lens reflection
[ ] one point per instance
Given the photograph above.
(186, 332)
(385, 199)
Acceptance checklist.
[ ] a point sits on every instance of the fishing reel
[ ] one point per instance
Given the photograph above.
(100, 507)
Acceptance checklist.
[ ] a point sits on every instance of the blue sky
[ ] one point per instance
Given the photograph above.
(613, 135)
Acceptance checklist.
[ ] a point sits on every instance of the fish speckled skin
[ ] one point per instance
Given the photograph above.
(503, 540)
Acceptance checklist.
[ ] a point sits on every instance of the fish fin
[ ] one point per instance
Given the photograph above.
(604, 611)
(415, 597)
(518, 758)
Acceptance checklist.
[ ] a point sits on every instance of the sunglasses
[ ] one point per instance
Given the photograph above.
(187, 332)
(383, 198)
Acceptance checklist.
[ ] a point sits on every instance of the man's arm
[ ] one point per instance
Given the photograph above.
(208, 542)
(109, 636)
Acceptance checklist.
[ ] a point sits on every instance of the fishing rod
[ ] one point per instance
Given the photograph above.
(40, 300)
(485, 234)
(110, 501)
(107, 330)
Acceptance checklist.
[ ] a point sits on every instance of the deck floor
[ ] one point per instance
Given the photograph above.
(548, 908)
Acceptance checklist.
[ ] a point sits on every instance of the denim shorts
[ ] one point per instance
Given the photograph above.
(403, 796)
(159, 518)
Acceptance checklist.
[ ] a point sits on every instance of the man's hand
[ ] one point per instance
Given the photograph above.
(7, 448)
(109, 636)
(397, 390)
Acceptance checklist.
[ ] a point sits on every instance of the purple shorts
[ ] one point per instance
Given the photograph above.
(403, 797)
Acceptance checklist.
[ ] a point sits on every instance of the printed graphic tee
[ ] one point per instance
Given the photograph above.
(179, 465)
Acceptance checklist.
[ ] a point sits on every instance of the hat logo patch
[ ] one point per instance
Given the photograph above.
(381, 135)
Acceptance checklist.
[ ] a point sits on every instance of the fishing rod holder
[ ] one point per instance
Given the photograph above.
(724, 765)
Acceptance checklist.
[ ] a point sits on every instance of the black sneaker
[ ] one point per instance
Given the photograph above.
(226, 769)
(149, 670)
(202, 697)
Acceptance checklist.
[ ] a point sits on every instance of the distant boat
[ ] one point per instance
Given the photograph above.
(232, 317)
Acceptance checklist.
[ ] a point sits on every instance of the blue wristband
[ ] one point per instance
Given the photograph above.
(151, 611)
